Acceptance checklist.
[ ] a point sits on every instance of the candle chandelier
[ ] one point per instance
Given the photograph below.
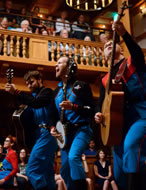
(88, 5)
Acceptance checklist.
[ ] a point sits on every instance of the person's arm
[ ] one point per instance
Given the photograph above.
(21, 175)
(85, 94)
(14, 162)
(135, 51)
(86, 168)
(42, 99)
(109, 171)
(97, 173)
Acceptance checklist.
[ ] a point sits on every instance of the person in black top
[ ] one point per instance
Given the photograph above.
(40, 165)
(79, 107)
(129, 156)
(103, 171)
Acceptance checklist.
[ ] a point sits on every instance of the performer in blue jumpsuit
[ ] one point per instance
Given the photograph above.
(40, 165)
(129, 156)
(78, 109)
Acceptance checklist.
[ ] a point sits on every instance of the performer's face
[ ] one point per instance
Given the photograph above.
(7, 143)
(33, 84)
(61, 67)
(108, 49)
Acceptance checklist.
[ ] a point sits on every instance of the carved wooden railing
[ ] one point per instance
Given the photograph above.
(45, 50)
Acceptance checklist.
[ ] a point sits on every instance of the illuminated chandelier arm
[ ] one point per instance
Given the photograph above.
(81, 3)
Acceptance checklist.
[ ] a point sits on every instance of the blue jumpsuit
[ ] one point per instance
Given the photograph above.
(40, 165)
(130, 155)
(78, 138)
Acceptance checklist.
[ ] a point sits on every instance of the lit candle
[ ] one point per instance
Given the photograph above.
(86, 5)
(95, 5)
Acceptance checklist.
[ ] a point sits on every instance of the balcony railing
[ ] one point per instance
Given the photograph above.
(45, 50)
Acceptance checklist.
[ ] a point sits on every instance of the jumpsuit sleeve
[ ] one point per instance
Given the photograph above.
(14, 161)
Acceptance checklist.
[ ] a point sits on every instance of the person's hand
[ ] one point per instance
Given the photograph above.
(118, 27)
(10, 88)
(98, 117)
(54, 132)
(66, 105)
(107, 177)
(2, 181)
(83, 157)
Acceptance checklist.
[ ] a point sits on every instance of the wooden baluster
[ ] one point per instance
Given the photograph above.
(52, 50)
(103, 59)
(17, 46)
(64, 49)
(70, 50)
(5, 44)
(81, 54)
(58, 50)
(24, 47)
(98, 57)
(88, 55)
(11, 45)
(92, 56)
(76, 53)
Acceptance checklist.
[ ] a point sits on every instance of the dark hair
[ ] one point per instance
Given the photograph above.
(97, 155)
(71, 62)
(35, 74)
(26, 158)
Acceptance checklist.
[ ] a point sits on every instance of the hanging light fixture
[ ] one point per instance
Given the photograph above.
(88, 5)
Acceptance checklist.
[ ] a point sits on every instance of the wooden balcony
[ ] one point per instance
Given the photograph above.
(23, 52)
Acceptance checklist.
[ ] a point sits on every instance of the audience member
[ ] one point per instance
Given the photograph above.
(2, 156)
(64, 34)
(88, 180)
(62, 23)
(81, 29)
(10, 163)
(49, 24)
(103, 171)
(23, 16)
(91, 150)
(24, 27)
(21, 177)
(35, 20)
(7, 11)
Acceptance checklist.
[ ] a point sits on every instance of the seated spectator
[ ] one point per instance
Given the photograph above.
(64, 34)
(49, 24)
(88, 53)
(23, 16)
(103, 172)
(2, 156)
(4, 25)
(24, 27)
(103, 38)
(8, 12)
(62, 23)
(10, 163)
(21, 178)
(35, 20)
(88, 180)
(81, 29)
(91, 149)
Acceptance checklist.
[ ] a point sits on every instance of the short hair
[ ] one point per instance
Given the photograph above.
(32, 74)
(12, 139)
(24, 22)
